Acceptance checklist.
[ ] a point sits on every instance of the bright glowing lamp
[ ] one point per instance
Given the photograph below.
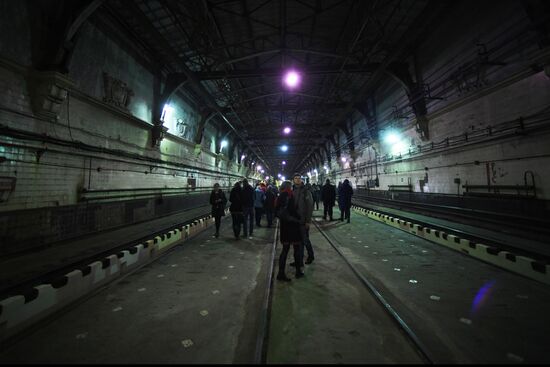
(391, 137)
(284, 162)
(344, 159)
(286, 130)
(292, 79)
(224, 143)
(284, 148)
(259, 167)
(283, 178)
(279, 175)
(242, 157)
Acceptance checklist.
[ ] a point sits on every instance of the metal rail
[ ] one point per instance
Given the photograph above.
(260, 354)
(473, 215)
(49, 276)
(421, 348)
(467, 235)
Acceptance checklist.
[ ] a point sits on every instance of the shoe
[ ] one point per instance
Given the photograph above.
(249, 237)
(217, 235)
(348, 221)
(309, 260)
(299, 275)
(283, 277)
(294, 264)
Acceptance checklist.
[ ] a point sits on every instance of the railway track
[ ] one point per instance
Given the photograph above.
(420, 347)
(469, 216)
(537, 229)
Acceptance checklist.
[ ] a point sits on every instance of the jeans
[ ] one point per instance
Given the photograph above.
(269, 216)
(327, 209)
(284, 254)
(248, 214)
(259, 212)
(237, 221)
(218, 221)
(346, 211)
(304, 233)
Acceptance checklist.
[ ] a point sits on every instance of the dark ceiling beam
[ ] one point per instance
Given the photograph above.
(193, 82)
(303, 107)
(278, 72)
(409, 41)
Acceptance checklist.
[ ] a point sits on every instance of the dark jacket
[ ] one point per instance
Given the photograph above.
(218, 201)
(247, 196)
(328, 194)
(269, 203)
(344, 195)
(289, 231)
(236, 200)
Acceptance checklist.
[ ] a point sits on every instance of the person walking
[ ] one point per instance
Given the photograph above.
(328, 196)
(259, 199)
(303, 200)
(236, 208)
(345, 194)
(269, 204)
(340, 202)
(289, 230)
(218, 201)
(316, 191)
(247, 199)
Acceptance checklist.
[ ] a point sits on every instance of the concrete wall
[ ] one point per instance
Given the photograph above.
(93, 145)
(505, 93)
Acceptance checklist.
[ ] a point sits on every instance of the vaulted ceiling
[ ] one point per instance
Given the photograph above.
(235, 52)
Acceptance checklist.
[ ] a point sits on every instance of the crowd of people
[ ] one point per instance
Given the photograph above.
(293, 203)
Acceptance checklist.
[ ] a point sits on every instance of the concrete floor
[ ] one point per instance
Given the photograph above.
(465, 310)
(201, 303)
(197, 304)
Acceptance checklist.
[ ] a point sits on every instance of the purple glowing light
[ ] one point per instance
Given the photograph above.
(284, 162)
(292, 79)
(286, 130)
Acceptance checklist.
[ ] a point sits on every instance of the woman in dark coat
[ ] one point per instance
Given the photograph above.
(289, 222)
(236, 208)
(218, 201)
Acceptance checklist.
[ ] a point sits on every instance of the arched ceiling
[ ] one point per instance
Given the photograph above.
(234, 53)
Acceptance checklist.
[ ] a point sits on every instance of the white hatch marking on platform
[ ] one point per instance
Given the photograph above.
(204, 313)
(82, 335)
(522, 296)
(142, 289)
(413, 281)
(224, 277)
(396, 269)
(174, 265)
(466, 321)
(435, 298)
(514, 357)
(384, 260)
(160, 276)
(231, 266)
(215, 291)
(187, 343)
(116, 309)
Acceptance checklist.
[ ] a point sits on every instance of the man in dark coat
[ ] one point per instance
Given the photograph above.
(247, 199)
(236, 208)
(344, 197)
(269, 204)
(218, 201)
(304, 206)
(328, 196)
